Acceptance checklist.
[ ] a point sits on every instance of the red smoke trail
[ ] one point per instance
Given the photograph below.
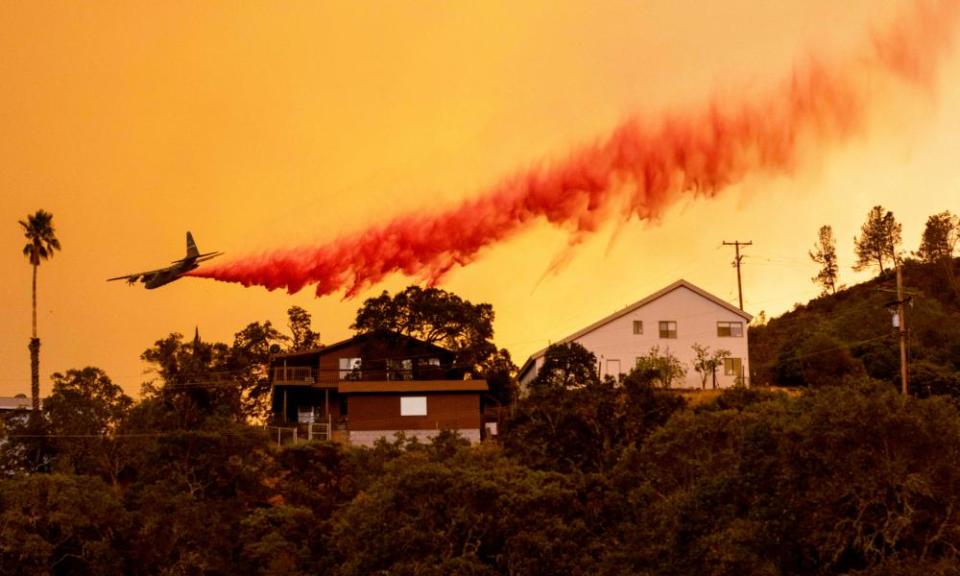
(650, 165)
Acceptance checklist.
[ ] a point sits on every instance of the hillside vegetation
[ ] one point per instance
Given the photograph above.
(851, 334)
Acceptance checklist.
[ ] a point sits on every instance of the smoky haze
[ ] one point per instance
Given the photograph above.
(644, 166)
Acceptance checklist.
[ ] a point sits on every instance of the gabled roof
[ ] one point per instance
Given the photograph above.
(639, 304)
(359, 338)
(307, 352)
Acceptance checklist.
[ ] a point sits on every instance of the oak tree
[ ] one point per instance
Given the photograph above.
(436, 316)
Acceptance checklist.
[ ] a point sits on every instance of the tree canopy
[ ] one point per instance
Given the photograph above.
(824, 253)
(706, 363)
(879, 240)
(662, 369)
(301, 329)
(436, 316)
(42, 241)
(566, 365)
(940, 237)
(602, 477)
(204, 378)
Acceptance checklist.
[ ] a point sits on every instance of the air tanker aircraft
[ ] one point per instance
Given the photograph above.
(156, 278)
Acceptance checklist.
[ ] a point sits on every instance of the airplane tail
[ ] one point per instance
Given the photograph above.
(192, 251)
(194, 255)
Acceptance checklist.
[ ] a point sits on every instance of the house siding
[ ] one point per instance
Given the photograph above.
(696, 320)
(375, 416)
(448, 411)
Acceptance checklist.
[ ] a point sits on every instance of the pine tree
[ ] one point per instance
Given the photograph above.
(879, 240)
(824, 253)
(939, 237)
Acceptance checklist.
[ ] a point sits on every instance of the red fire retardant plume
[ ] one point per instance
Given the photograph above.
(643, 165)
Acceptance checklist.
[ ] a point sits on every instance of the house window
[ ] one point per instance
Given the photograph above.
(638, 326)
(350, 369)
(730, 329)
(413, 405)
(400, 369)
(668, 329)
(732, 367)
(428, 369)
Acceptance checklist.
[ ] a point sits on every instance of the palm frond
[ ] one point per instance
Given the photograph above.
(39, 230)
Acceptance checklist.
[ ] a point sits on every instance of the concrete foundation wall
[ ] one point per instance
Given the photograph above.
(369, 437)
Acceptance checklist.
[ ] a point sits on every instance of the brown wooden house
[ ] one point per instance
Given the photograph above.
(373, 386)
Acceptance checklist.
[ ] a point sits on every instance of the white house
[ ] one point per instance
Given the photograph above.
(673, 320)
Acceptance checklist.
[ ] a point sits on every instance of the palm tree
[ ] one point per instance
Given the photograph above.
(42, 243)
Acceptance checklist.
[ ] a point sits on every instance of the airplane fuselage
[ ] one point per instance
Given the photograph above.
(168, 275)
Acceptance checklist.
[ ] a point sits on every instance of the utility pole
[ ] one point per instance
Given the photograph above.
(736, 262)
(902, 321)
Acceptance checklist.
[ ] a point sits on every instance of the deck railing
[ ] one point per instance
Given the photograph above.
(293, 375)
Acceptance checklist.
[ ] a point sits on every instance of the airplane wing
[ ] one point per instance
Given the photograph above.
(132, 278)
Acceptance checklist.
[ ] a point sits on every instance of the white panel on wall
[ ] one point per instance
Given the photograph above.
(413, 406)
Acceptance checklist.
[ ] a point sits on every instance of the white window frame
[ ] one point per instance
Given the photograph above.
(413, 405)
(732, 366)
(669, 335)
(734, 329)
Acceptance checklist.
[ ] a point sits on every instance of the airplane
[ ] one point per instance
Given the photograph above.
(156, 278)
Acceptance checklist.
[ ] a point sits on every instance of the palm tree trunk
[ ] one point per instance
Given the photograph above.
(35, 375)
(34, 301)
(35, 355)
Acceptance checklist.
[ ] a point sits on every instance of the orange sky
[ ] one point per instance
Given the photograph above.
(266, 125)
